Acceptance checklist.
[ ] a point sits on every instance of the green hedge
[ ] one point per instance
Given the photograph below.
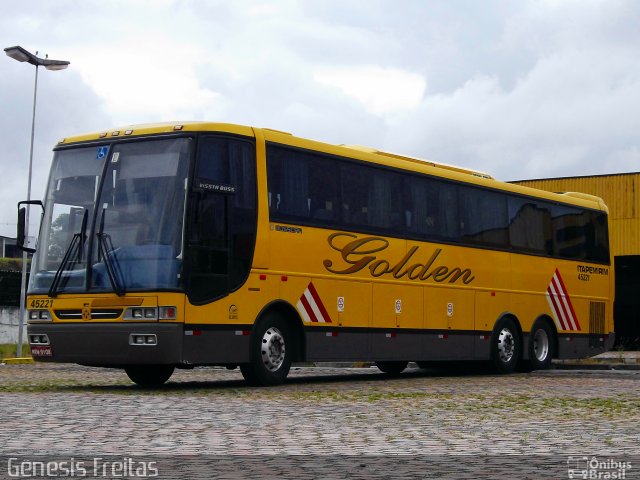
(10, 288)
(11, 264)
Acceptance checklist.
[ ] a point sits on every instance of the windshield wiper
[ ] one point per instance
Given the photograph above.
(75, 249)
(105, 247)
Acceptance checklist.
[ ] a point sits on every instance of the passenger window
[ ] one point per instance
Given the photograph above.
(432, 209)
(483, 217)
(356, 182)
(530, 226)
(302, 186)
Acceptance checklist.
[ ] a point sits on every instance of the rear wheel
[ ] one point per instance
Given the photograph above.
(149, 375)
(541, 346)
(505, 346)
(392, 368)
(271, 349)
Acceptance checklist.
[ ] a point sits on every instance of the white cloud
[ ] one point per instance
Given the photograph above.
(517, 89)
(140, 81)
(380, 90)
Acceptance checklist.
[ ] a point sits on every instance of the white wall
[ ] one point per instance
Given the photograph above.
(9, 318)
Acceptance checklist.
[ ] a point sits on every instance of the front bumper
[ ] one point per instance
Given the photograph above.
(107, 344)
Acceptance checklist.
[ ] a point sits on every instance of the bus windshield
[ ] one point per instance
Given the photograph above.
(113, 218)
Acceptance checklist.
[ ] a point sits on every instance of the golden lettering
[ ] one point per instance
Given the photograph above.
(375, 269)
(360, 253)
(352, 250)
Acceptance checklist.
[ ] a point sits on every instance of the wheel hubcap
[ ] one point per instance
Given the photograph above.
(273, 349)
(506, 345)
(541, 345)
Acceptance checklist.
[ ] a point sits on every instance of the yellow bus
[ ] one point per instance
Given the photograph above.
(179, 245)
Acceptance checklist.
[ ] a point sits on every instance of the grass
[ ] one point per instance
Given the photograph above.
(8, 350)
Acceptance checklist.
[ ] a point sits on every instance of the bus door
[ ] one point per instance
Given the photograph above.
(221, 219)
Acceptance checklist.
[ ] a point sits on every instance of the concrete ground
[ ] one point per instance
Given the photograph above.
(613, 360)
(328, 422)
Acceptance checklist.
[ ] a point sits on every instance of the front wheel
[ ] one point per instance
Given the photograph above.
(149, 375)
(392, 368)
(505, 346)
(271, 348)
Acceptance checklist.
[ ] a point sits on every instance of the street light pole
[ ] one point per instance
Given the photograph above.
(22, 55)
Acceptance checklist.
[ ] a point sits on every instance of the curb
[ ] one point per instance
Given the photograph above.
(18, 361)
(595, 366)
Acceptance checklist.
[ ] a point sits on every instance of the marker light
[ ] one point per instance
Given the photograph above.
(147, 339)
(39, 339)
(167, 313)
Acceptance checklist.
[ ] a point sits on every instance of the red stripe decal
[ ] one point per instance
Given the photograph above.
(316, 297)
(308, 309)
(566, 293)
(559, 304)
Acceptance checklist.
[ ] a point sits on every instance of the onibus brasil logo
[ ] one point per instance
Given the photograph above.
(597, 468)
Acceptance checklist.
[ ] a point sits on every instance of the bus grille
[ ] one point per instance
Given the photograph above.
(96, 314)
(596, 323)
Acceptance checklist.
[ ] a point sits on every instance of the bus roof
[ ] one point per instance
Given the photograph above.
(355, 151)
(431, 163)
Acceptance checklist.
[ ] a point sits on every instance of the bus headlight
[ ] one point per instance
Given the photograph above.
(141, 313)
(42, 315)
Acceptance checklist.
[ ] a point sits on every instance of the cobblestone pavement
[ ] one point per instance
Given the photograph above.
(71, 410)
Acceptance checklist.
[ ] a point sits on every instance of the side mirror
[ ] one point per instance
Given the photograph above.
(23, 241)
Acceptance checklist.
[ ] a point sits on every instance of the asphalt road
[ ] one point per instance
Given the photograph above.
(322, 423)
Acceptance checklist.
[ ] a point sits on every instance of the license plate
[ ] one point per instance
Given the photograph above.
(41, 351)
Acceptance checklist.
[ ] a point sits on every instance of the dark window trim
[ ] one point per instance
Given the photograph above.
(122, 139)
(406, 235)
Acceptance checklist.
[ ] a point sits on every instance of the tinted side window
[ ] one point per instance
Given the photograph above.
(483, 217)
(530, 226)
(302, 186)
(318, 189)
(580, 234)
(568, 232)
(432, 209)
(597, 237)
(372, 198)
(561, 231)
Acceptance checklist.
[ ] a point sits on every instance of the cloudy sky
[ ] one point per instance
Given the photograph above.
(519, 89)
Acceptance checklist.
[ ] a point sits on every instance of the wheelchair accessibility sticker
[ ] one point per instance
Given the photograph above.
(102, 153)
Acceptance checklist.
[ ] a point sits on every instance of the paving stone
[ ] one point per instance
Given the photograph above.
(321, 413)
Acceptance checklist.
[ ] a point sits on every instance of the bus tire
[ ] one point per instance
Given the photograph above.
(270, 353)
(149, 375)
(541, 345)
(505, 346)
(392, 368)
